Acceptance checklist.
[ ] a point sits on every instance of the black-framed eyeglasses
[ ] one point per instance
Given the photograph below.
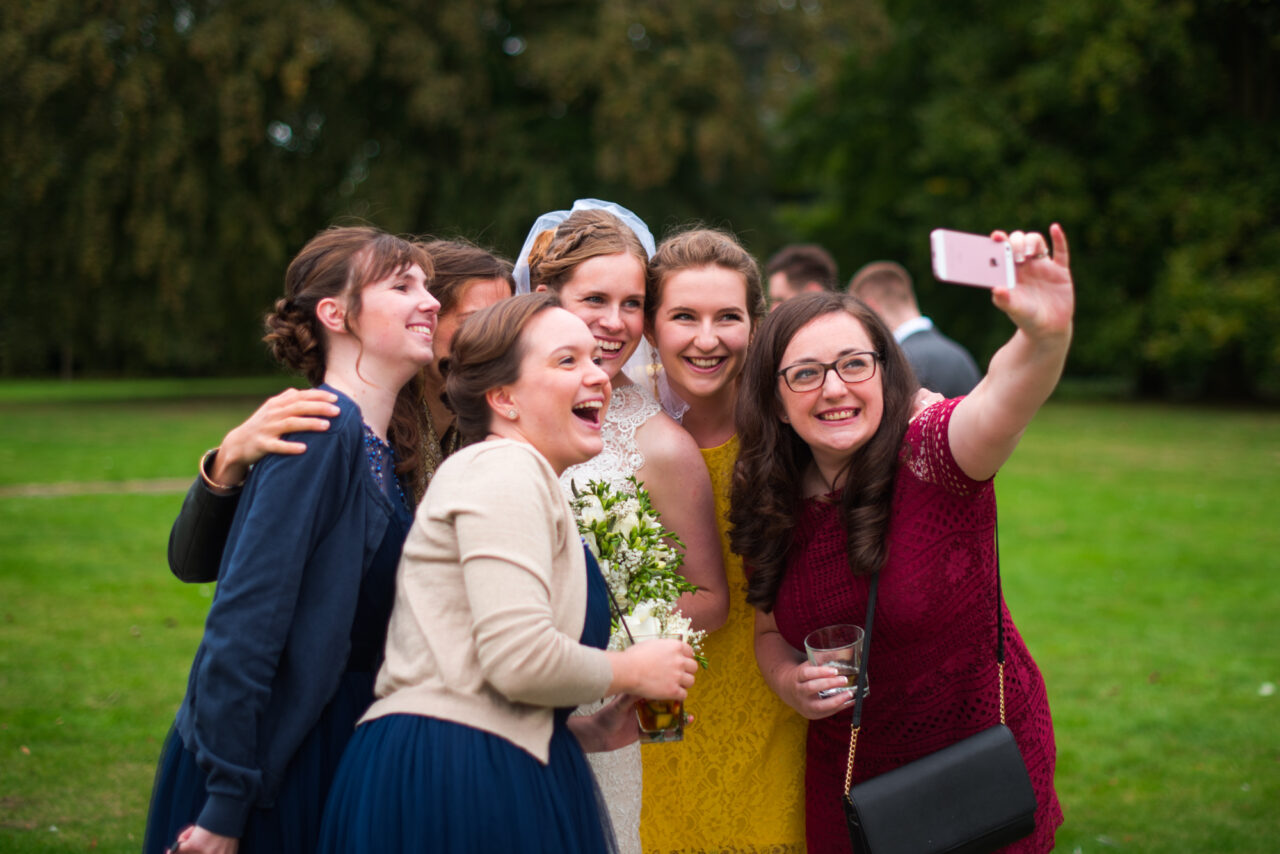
(851, 368)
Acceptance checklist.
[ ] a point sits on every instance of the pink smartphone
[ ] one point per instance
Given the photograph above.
(971, 259)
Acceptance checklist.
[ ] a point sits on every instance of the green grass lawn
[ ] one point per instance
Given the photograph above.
(1141, 560)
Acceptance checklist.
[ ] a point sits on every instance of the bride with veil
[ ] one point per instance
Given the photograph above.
(594, 258)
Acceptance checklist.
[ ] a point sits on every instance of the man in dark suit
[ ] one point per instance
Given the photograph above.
(940, 364)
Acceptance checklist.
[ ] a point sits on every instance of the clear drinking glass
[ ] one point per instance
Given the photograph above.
(840, 647)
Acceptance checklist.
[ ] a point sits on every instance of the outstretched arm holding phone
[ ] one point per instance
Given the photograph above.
(987, 425)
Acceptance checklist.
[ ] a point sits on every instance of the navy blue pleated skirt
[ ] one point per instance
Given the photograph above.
(292, 824)
(413, 783)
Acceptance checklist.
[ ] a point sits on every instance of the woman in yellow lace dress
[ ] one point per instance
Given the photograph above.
(736, 782)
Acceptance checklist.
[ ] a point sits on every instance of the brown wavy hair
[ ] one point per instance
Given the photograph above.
(698, 247)
(584, 235)
(458, 262)
(339, 262)
(487, 352)
(766, 496)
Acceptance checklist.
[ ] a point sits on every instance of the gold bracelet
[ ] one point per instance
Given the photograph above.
(210, 482)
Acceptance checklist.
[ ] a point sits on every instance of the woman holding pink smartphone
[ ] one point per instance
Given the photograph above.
(858, 490)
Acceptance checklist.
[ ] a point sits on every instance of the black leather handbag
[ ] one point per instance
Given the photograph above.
(969, 798)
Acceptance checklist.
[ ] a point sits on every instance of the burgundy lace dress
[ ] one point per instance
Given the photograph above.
(932, 672)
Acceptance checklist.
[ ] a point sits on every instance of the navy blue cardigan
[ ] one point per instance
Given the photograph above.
(278, 633)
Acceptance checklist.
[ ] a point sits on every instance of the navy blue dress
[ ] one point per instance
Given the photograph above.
(288, 819)
(414, 783)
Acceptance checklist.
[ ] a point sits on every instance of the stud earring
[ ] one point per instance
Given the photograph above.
(512, 413)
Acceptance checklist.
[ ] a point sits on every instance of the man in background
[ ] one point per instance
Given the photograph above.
(940, 364)
(800, 268)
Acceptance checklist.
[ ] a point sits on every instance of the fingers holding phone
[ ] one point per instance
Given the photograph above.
(1029, 281)
(1024, 245)
(1043, 303)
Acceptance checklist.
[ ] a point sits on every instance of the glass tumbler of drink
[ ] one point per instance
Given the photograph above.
(839, 647)
(660, 720)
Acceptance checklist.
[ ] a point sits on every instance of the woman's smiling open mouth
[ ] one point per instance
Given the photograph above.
(589, 411)
(705, 363)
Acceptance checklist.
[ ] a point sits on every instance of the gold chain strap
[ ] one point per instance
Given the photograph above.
(853, 736)
(1002, 692)
(848, 771)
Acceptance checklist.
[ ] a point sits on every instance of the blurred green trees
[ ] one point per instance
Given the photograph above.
(1151, 130)
(163, 159)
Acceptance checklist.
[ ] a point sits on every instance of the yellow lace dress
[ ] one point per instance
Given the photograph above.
(736, 782)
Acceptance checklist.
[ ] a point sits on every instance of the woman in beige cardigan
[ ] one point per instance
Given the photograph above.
(500, 620)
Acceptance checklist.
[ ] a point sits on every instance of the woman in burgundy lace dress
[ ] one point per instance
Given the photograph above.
(835, 483)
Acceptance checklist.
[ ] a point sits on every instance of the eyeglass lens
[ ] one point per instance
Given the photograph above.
(854, 368)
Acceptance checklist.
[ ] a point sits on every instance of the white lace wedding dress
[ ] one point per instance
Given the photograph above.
(618, 771)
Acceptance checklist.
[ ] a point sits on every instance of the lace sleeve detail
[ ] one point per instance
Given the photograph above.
(631, 406)
(926, 451)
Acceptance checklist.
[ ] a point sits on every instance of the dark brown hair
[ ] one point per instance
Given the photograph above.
(487, 352)
(766, 496)
(802, 263)
(699, 247)
(586, 234)
(459, 262)
(339, 262)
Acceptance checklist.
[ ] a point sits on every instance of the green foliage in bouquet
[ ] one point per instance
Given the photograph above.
(640, 559)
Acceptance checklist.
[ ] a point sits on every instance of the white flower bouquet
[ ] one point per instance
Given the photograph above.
(640, 560)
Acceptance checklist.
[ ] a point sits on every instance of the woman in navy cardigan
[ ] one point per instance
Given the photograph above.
(286, 664)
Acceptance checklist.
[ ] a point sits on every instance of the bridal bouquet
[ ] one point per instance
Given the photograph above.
(640, 560)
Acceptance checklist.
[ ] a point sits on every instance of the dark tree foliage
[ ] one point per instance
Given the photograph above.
(1148, 129)
(165, 158)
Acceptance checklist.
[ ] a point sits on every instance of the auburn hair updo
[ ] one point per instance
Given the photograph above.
(338, 263)
(557, 252)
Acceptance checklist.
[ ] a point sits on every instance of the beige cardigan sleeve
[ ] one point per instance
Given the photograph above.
(521, 557)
